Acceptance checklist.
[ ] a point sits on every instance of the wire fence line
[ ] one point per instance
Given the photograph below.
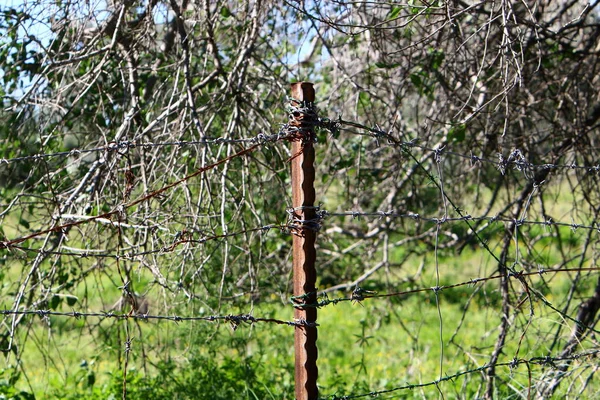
(234, 320)
(545, 361)
(515, 158)
(359, 294)
(593, 226)
(286, 132)
(187, 237)
(180, 238)
(296, 222)
(126, 145)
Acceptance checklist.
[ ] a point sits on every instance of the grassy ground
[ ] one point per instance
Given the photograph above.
(374, 345)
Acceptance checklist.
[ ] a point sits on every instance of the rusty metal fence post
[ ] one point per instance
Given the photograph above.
(303, 248)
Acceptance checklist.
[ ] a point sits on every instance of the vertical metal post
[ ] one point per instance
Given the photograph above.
(303, 246)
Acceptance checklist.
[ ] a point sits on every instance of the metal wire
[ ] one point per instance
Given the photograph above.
(231, 318)
(261, 139)
(180, 239)
(515, 158)
(593, 226)
(539, 360)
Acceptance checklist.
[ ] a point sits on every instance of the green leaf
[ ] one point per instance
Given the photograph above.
(386, 65)
(416, 80)
(225, 13)
(71, 300)
(437, 57)
(91, 379)
(364, 97)
(457, 133)
(54, 302)
(395, 12)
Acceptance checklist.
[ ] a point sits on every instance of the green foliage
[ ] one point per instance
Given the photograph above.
(8, 378)
(457, 133)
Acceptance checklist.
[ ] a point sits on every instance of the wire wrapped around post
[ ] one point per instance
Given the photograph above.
(303, 119)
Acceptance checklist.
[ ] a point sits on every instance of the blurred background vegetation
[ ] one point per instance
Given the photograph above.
(500, 100)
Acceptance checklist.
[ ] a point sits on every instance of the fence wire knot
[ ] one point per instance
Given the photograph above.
(358, 294)
(298, 224)
(514, 363)
(301, 301)
(128, 345)
(414, 216)
(333, 126)
(303, 118)
(574, 226)
(475, 159)
(474, 281)
(518, 222)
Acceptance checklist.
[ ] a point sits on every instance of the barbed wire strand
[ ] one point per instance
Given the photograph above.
(260, 139)
(359, 294)
(286, 132)
(595, 225)
(515, 158)
(539, 360)
(180, 240)
(121, 208)
(231, 318)
(291, 226)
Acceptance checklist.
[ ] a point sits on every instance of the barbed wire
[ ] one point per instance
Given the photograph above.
(286, 132)
(112, 147)
(321, 214)
(515, 157)
(184, 237)
(359, 294)
(181, 237)
(546, 361)
(595, 225)
(235, 320)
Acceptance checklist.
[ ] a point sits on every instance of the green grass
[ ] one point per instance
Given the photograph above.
(373, 345)
(377, 344)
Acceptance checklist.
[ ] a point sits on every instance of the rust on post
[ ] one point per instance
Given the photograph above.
(303, 250)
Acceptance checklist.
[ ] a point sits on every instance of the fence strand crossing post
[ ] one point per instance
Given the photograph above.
(302, 121)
